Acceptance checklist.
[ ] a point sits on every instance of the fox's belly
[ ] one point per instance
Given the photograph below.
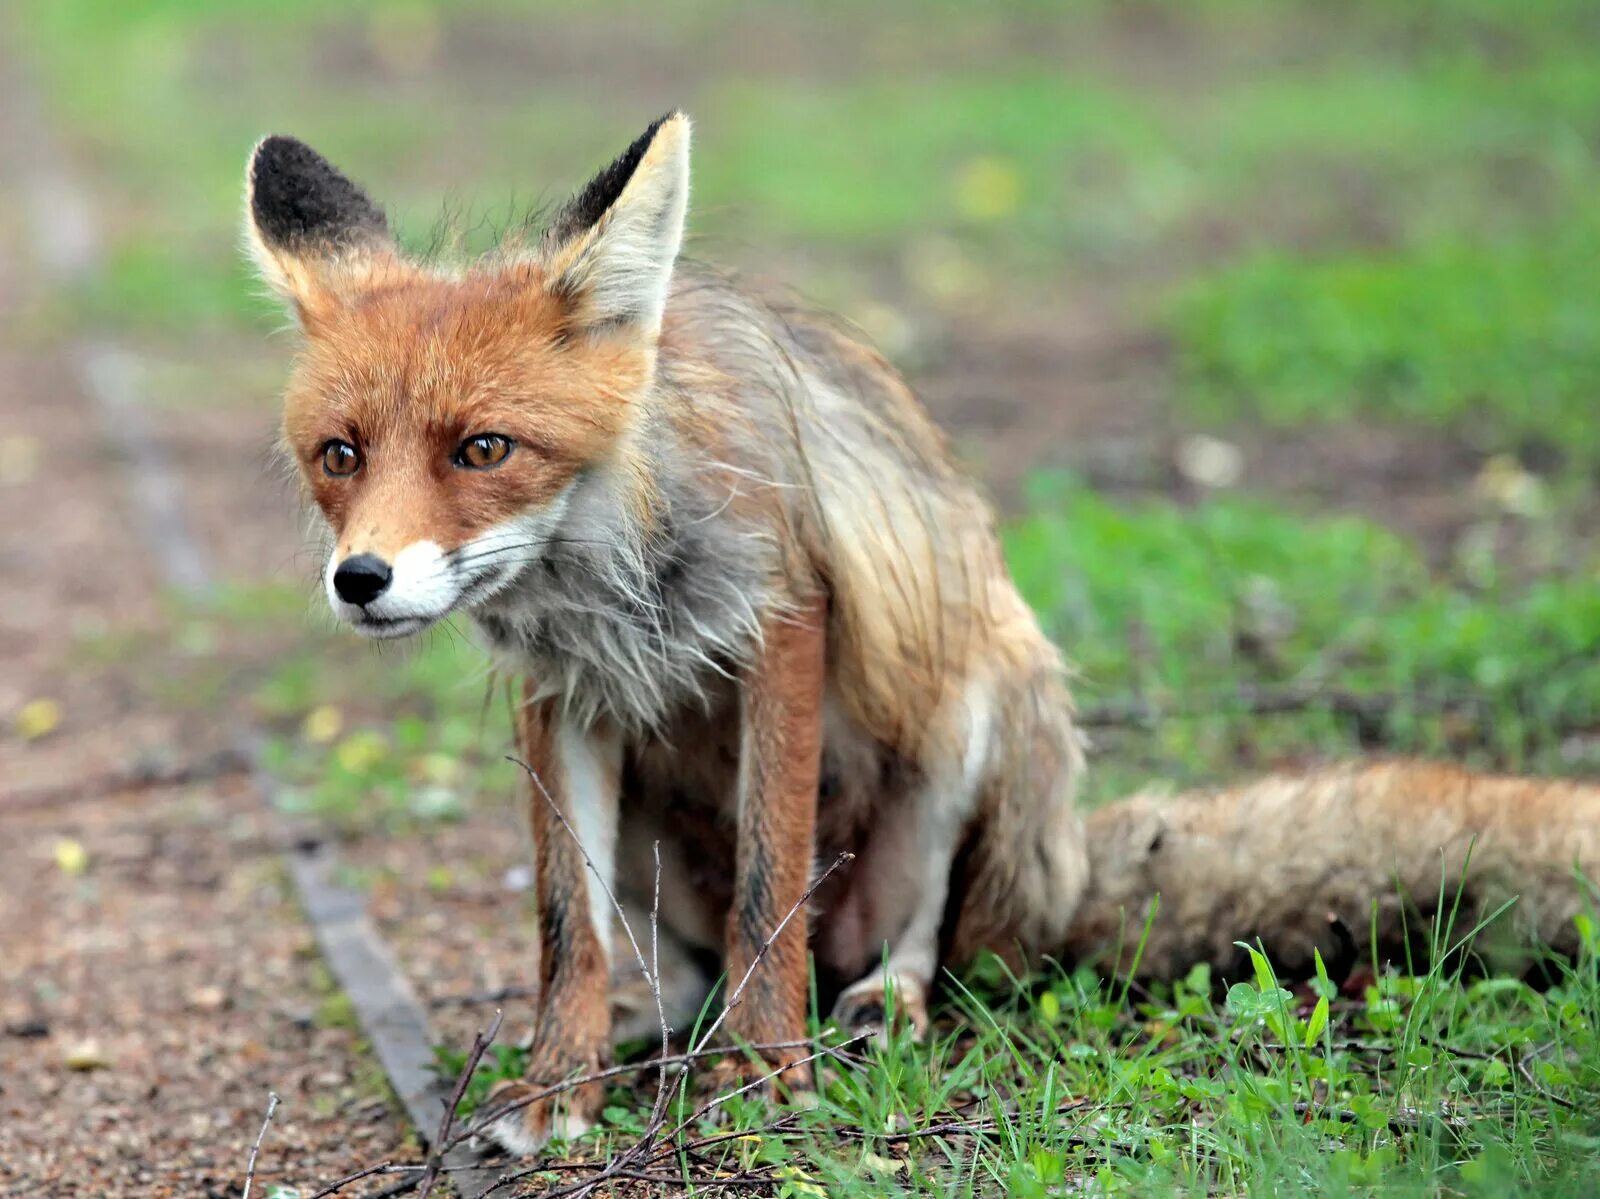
(681, 791)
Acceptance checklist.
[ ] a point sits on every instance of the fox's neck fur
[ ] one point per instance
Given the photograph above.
(648, 591)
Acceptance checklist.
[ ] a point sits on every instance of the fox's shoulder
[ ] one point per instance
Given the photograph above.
(774, 350)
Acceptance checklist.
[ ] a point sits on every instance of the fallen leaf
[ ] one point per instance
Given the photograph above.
(19, 458)
(85, 1056)
(322, 724)
(208, 999)
(361, 751)
(1504, 482)
(443, 769)
(37, 718)
(1210, 461)
(71, 857)
(989, 188)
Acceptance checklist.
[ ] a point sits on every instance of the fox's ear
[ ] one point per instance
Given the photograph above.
(313, 233)
(610, 251)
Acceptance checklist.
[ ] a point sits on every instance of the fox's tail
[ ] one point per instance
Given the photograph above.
(1351, 861)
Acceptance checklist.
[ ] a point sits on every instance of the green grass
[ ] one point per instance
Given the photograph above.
(1446, 122)
(1185, 612)
(366, 744)
(1500, 341)
(1189, 612)
(1390, 1083)
(1184, 615)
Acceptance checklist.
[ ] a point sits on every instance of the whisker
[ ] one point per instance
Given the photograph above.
(458, 558)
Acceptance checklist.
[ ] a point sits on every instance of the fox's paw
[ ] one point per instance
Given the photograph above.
(526, 1123)
(865, 1006)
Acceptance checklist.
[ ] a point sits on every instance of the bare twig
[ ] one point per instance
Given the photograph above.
(715, 1102)
(1525, 1068)
(250, 1169)
(652, 1130)
(334, 1188)
(498, 995)
(582, 1080)
(697, 1147)
(738, 992)
(480, 1045)
(605, 883)
(625, 1161)
(1404, 1120)
(651, 975)
(658, 1111)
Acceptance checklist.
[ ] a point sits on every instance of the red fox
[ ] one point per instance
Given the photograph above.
(761, 618)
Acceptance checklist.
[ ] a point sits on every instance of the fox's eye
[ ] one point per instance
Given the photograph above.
(340, 458)
(483, 451)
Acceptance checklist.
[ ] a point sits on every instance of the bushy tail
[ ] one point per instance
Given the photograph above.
(1341, 860)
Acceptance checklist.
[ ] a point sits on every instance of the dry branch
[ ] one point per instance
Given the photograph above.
(480, 1045)
(255, 1151)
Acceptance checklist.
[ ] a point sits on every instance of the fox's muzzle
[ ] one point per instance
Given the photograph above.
(361, 578)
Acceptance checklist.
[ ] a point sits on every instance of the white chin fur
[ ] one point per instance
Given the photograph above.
(423, 589)
(428, 584)
(388, 630)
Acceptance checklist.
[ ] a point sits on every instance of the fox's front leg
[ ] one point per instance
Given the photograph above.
(574, 776)
(779, 762)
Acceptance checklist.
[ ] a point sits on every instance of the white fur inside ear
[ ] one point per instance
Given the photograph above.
(622, 272)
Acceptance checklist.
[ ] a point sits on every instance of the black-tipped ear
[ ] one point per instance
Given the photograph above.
(314, 235)
(610, 250)
(299, 199)
(601, 192)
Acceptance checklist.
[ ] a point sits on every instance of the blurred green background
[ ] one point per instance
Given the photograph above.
(1275, 327)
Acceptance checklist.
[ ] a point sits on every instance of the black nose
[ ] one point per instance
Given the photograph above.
(361, 578)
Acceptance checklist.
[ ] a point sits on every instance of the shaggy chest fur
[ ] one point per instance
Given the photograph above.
(638, 630)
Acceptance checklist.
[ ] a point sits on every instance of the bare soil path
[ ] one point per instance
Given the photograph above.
(156, 981)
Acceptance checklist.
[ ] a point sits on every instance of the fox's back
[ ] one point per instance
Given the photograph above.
(861, 482)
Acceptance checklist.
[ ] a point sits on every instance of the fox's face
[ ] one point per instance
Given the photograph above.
(442, 422)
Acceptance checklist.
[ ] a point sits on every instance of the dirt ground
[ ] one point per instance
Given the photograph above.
(156, 981)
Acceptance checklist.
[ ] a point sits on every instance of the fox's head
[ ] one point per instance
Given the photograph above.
(443, 420)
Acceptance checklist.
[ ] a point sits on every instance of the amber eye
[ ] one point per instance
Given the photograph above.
(483, 451)
(340, 458)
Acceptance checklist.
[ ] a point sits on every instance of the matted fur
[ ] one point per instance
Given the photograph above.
(1344, 860)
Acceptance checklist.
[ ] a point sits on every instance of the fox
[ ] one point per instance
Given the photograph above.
(775, 680)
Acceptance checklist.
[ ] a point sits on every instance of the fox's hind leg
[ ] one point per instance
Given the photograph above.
(903, 980)
(685, 983)
(683, 942)
(575, 778)
(913, 854)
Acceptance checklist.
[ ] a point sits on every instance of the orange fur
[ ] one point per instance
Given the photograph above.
(415, 365)
(1343, 860)
(777, 829)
